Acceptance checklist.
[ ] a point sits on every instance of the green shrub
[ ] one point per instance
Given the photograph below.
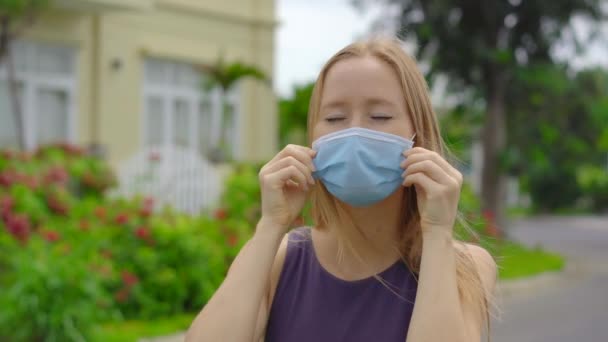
(240, 204)
(241, 196)
(48, 290)
(593, 180)
(72, 258)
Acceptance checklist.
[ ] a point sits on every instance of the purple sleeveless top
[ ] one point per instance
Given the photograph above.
(310, 304)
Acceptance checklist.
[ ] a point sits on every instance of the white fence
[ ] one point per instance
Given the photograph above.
(173, 176)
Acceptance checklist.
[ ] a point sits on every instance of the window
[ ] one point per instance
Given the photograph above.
(45, 75)
(177, 111)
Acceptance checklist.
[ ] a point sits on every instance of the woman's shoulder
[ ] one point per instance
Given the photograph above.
(293, 236)
(484, 262)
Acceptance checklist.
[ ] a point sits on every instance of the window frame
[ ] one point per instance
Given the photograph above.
(170, 93)
(33, 81)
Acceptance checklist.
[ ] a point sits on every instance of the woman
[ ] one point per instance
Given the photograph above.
(380, 263)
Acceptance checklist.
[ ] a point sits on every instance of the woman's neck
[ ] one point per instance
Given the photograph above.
(373, 240)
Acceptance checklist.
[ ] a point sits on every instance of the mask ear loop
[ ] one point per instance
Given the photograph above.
(413, 137)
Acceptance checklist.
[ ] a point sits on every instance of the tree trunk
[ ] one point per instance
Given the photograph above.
(4, 36)
(15, 100)
(217, 154)
(493, 183)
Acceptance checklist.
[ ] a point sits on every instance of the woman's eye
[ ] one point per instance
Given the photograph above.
(382, 117)
(334, 119)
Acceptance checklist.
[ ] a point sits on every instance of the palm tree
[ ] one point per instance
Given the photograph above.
(16, 15)
(225, 76)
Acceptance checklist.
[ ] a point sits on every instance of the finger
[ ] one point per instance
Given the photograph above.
(417, 154)
(287, 161)
(286, 175)
(421, 180)
(432, 170)
(301, 153)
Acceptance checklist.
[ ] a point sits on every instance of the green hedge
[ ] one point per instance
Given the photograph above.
(72, 258)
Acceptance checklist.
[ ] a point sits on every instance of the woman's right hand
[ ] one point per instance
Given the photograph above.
(285, 182)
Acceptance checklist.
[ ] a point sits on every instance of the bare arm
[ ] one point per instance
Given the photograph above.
(232, 313)
(238, 311)
(439, 313)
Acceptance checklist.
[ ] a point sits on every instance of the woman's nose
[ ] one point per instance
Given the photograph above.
(357, 121)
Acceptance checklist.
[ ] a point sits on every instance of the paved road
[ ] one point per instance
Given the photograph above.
(572, 307)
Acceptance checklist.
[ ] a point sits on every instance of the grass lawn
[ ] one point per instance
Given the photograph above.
(131, 331)
(514, 261)
(517, 261)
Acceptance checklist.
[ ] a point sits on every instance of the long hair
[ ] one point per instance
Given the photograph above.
(328, 211)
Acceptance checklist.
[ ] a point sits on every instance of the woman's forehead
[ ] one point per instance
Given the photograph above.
(367, 79)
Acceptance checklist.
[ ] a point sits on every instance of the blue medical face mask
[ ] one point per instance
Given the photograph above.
(360, 166)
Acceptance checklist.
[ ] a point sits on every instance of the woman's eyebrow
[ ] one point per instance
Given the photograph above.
(334, 104)
(380, 101)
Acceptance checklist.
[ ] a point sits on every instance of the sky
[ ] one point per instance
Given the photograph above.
(311, 31)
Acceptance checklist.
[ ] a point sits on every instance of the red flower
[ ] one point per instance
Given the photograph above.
(121, 219)
(100, 212)
(107, 254)
(8, 178)
(145, 212)
(66, 248)
(129, 279)
(147, 208)
(6, 206)
(56, 204)
(90, 180)
(25, 156)
(232, 240)
(56, 175)
(30, 181)
(488, 215)
(221, 214)
(122, 295)
(143, 233)
(154, 157)
(72, 149)
(491, 227)
(84, 225)
(51, 235)
(105, 271)
(6, 154)
(149, 202)
(19, 226)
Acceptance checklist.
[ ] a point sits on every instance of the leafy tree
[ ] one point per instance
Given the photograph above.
(556, 133)
(225, 76)
(15, 15)
(293, 113)
(478, 45)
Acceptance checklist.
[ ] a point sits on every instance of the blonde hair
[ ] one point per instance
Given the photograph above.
(326, 210)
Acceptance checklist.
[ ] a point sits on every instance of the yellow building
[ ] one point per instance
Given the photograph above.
(120, 73)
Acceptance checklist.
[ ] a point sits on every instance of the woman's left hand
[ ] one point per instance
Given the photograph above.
(437, 186)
